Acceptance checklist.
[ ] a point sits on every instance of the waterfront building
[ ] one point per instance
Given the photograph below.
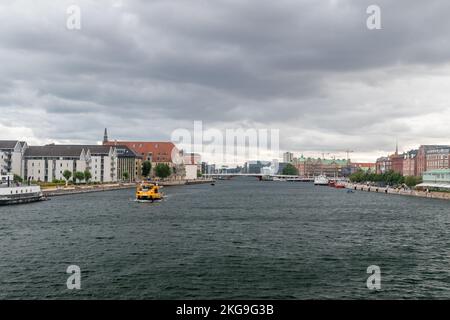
(128, 162)
(288, 157)
(383, 165)
(47, 163)
(397, 162)
(438, 158)
(211, 168)
(393, 162)
(430, 157)
(191, 171)
(208, 168)
(409, 163)
(312, 167)
(363, 166)
(255, 166)
(156, 153)
(267, 171)
(437, 178)
(193, 159)
(11, 154)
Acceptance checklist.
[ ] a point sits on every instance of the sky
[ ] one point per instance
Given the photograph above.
(310, 69)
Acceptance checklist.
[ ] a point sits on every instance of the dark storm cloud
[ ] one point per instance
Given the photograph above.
(144, 68)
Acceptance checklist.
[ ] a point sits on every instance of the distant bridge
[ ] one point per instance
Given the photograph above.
(260, 176)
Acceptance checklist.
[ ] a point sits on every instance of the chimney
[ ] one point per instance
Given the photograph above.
(105, 136)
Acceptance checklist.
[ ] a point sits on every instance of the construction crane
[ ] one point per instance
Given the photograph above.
(348, 153)
(323, 154)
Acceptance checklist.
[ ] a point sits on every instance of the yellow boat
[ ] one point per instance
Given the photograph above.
(146, 191)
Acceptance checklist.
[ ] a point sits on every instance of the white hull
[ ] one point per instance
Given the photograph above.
(321, 180)
(22, 194)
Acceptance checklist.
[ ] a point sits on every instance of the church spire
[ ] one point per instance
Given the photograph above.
(105, 136)
(396, 147)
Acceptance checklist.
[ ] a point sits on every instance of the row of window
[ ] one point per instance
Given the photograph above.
(21, 191)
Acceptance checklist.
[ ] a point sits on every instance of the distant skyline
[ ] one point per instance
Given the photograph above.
(310, 69)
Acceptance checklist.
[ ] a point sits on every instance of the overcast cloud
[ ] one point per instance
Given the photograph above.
(310, 68)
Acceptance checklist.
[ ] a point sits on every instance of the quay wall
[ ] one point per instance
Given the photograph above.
(399, 191)
(62, 191)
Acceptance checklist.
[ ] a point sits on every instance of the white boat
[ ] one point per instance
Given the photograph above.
(15, 194)
(321, 180)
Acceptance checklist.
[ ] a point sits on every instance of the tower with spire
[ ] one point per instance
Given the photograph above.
(105, 136)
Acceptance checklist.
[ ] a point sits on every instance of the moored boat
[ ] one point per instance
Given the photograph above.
(11, 193)
(339, 185)
(321, 180)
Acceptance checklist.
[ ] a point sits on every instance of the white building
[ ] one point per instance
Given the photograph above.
(191, 171)
(272, 169)
(11, 153)
(193, 158)
(288, 157)
(46, 163)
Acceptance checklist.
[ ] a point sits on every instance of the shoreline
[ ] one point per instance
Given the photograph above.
(401, 192)
(53, 192)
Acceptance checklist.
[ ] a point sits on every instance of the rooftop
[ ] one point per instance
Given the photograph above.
(53, 150)
(160, 151)
(8, 144)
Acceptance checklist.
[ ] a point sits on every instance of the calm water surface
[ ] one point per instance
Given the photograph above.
(238, 239)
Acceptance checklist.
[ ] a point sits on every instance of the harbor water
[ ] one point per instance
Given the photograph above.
(241, 238)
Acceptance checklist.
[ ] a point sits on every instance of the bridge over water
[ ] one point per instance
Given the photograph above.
(260, 176)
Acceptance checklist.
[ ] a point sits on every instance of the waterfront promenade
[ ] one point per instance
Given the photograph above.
(399, 191)
(61, 191)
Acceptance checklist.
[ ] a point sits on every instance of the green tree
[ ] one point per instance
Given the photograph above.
(199, 174)
(357, 177)
(390, 177)
(412, 181)
(17, 178)
(162, 170)
(146, 168)
(290, 170)
(67, 175)
(126, 175)
(87, 175)
(79, 176)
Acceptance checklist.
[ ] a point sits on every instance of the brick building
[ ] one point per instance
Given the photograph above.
(432, 157)
(410, 163)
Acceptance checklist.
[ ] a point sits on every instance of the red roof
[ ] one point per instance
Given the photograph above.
(159, 151)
